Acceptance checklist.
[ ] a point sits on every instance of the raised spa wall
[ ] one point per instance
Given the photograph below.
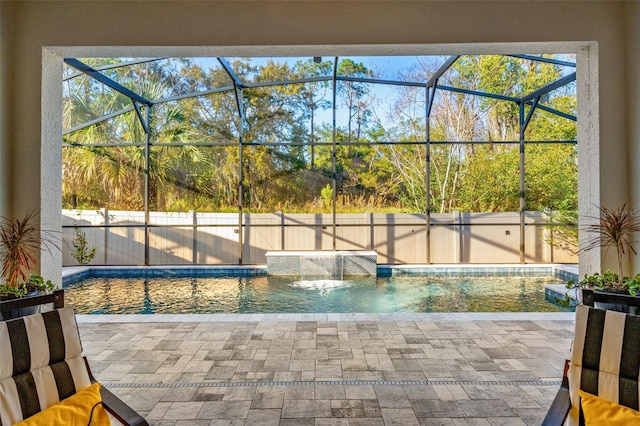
(293, 262)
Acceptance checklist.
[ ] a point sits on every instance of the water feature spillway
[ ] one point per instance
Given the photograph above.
(322, 264)
(321, 267)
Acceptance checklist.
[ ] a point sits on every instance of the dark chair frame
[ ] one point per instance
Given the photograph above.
(114, 405)
(57, 298)
(562, 403)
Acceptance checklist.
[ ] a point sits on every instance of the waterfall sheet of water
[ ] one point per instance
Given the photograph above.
(322, 273)
(321, 267)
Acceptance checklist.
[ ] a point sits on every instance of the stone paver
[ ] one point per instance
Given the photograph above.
(366, 371)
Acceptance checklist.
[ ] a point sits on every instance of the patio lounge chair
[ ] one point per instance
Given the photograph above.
(605, 363)
(42, 371)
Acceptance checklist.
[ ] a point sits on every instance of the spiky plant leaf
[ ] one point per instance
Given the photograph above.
(20, 241)
(616, 227)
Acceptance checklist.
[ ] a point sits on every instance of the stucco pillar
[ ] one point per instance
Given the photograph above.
(588, 151)
(633, 108)
(50, 161)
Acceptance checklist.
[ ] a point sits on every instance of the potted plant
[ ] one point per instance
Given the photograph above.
(20, 241)
(615, 228)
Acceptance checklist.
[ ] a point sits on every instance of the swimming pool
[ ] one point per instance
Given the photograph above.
(275, 294)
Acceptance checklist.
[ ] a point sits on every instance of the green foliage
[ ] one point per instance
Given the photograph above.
(327, 196)
(34, 283)
(10, 292)
(608, 281)
(551, 177)
(81, 252)
(488, 181)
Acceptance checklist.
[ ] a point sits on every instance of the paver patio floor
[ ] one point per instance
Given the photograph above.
(432, 369)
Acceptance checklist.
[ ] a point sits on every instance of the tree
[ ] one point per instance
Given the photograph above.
(484, 177)
(194, 158)
(353, 95)
(312, 96)
(116, 172)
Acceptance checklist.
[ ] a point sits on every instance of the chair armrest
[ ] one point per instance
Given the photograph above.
(561, 403)
(559, 408)
(57, 298)
(121, 411)
(114, 405)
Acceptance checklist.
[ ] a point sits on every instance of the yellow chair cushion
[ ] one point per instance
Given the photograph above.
(599, 411)
(80, 408)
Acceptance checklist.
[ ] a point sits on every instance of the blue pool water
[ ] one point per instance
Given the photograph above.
(273, 294)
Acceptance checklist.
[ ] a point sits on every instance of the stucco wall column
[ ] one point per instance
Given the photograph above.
(633, 108)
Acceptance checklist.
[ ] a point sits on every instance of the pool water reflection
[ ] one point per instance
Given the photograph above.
(276, 294)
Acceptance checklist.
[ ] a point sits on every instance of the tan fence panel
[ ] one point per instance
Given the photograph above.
(261, 234)
(217, 244)
(170, 245)
(213, 238)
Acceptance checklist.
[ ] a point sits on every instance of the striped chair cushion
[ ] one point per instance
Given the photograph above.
(40, 363)
(605, 359)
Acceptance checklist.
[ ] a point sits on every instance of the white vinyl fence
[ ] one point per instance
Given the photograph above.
(213, 238)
